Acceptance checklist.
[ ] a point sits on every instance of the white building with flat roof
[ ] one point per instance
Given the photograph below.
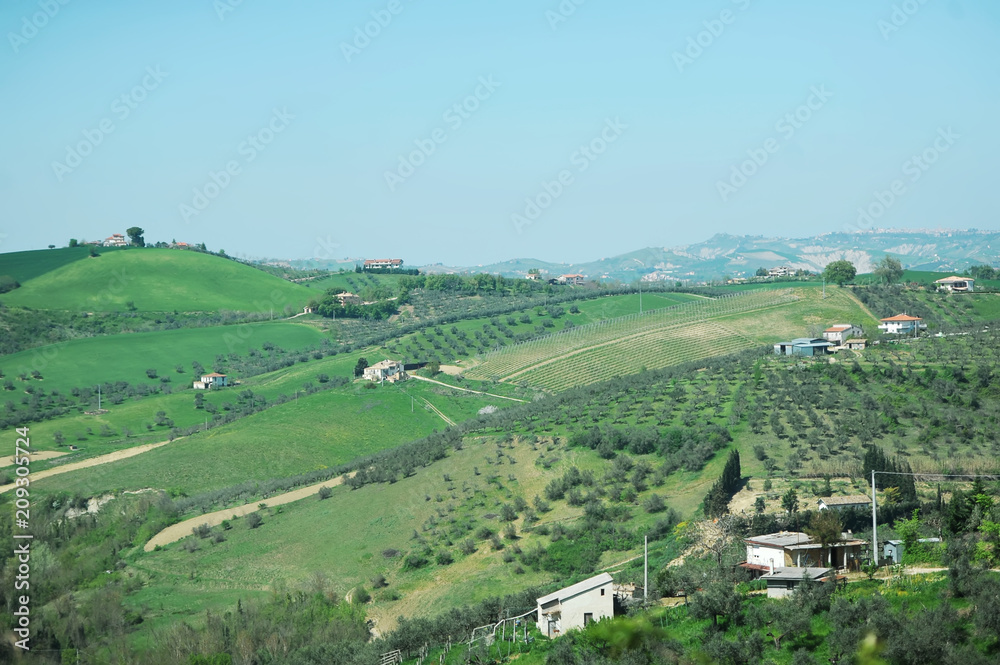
(576, 605)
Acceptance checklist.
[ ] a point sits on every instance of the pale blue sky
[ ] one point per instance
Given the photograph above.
(320, 187)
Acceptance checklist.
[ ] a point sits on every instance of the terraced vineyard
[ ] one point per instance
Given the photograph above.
(660, 348)
(626, 344)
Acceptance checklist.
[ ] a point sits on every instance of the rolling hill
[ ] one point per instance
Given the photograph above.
(93, 360)
(26, 265)
(669, 336)
(155, 280)
(724, 254)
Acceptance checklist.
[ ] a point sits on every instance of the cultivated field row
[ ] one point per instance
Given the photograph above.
(658, 349)
(512, 362)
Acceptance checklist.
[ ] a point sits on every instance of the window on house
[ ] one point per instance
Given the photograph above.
(602, 592)
(588, 616)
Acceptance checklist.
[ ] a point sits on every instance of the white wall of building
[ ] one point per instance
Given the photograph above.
(765, 556)
(599, 602)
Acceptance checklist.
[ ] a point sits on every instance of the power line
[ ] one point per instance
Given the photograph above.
(915, 475)
(941, 475)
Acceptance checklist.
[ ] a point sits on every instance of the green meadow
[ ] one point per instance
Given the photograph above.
(24, 266)
(93, 360)
(158, 280)
(344, 537)
(312, 432)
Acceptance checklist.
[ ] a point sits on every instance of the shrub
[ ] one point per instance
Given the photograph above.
(324, 493)
(360, 596)
(654, 504)
(444, 558)
(254, 520)
(379, 582)
(468, 546)
(415, 562)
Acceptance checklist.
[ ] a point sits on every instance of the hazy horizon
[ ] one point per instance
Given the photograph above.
(467, 135)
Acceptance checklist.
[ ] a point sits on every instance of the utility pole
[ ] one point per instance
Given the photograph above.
(98, 397)
(874, 523)
(645, 568)
(640, 295)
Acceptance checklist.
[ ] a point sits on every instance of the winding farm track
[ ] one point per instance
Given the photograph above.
(87, 463)
(478, 392)
(175, 532)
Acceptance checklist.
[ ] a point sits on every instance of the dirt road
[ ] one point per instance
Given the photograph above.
(37, 456)
(478, 392)
(93, 461)
(180, 530)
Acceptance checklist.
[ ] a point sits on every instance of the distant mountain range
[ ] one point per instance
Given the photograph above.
(722, 255)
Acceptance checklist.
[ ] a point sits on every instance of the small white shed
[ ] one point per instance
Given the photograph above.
(576, 605)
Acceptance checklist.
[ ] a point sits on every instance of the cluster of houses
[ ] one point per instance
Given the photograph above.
(572, 279)
(836, 337)
(377, 264)
(848, 336)
(783, 560)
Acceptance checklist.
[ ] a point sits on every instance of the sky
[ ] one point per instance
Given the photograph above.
(472, 132)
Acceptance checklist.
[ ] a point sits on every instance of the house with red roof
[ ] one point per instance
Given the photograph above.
(211, 380)
(115, 240)
(841, 332)
(901, 324)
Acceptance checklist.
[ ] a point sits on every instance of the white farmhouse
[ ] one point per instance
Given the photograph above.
(576, 605)
(842, 332)
(960, 284)
(212, 380)
(901, 324)
(386, 370)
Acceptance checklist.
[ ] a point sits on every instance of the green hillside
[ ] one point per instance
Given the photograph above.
(23, 266)
(158, 280)
(700, 329)
(314, 432)
(93, 360)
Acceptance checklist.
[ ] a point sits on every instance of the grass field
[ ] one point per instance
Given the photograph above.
(23, 266)
(158, 280)
(344, 537)
(93, 360)
(313, 432)
(447, 342)
(696, 330)
(924, 277)
(343, 281)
